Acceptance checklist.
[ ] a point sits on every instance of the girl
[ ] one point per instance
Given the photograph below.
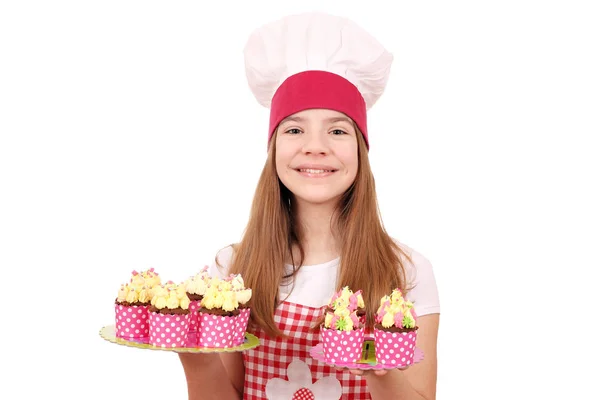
(314, 225)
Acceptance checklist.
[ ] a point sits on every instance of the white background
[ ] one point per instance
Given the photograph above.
(129, 139)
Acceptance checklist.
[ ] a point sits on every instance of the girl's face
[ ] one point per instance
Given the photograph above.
(317, 155)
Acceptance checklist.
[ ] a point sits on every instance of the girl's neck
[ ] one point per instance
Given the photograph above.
(317, 238)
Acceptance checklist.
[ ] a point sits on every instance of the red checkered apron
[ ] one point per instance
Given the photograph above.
(271, 359)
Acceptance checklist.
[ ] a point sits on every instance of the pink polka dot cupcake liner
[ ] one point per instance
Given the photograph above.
(216, 330)
(241, 324)
(167, 330)
(395, 348)
(341, 347)
(131, 322)
(194, 317)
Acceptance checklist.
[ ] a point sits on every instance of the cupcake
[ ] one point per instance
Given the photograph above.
(169, 316)
(242, 295)
(342, 333)
(218, 314)
(395, 331)
(195, 288)
(132, 303)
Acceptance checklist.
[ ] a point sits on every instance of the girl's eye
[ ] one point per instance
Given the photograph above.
(338, 132)
(293, 131)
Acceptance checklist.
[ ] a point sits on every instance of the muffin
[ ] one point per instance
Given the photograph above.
(395, 331)
(132, 303)
(169, 316)
(342, 333)
(218, 314)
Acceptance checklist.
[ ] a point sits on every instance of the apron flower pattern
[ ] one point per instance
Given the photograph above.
(299, 385)
(283, 369)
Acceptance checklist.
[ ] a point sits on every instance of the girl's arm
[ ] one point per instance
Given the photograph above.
(417, 382)
(234, 365)
(206, 376)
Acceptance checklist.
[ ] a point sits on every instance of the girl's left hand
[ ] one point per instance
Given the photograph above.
(364, 372)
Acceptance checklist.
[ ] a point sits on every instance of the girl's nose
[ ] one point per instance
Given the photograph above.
(315, 142)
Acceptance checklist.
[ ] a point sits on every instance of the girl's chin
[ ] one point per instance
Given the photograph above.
(318, 200)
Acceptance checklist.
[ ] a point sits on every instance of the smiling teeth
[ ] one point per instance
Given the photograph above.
(315, 171)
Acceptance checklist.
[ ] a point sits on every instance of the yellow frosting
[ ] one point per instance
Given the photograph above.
(145, 294)
(361, 301)
(395, 310)
(122, 295)
(388, 320)
(341, 303)
(159, 300)
(344, 304)
(237, 282)
(147, 278)
(151, 278)
(140, 287)
(137, 281)
(328, 318)
(197, 284)
(243, 296)
(242, 293)
(171, 296)
(346, 298)
(220, 295)
(396, 297)
(130, 294)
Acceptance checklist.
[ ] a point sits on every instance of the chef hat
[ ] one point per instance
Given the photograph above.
(316, 60)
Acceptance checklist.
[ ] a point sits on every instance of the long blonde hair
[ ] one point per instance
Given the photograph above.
(369, 258)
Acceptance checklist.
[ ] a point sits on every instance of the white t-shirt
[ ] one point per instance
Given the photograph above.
(314, 285)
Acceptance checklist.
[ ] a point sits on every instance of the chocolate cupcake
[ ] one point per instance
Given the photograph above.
(132, 303)
(395, 331)
(169, 316)
(218, 314)
(342, 333)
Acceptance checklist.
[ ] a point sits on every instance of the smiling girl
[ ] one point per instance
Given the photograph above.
(314, 225)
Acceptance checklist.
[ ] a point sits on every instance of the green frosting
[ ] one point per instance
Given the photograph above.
(341, 324)
(408, 321)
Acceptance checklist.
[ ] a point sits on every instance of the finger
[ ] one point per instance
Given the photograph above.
(357, 372)
(380, 372)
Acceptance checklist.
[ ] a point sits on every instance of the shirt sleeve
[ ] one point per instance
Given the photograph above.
(421, 283)
(221, 270)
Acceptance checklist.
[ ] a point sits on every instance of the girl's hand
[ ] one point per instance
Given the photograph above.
(365, 372)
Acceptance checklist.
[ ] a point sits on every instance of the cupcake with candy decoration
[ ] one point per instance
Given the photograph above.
(195, 288)
(169, 316)
(395, 330)
(342, 333)
(242, 295)
(132, 304)
(219, 310)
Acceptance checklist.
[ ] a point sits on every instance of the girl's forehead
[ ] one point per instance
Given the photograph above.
(318, 114)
